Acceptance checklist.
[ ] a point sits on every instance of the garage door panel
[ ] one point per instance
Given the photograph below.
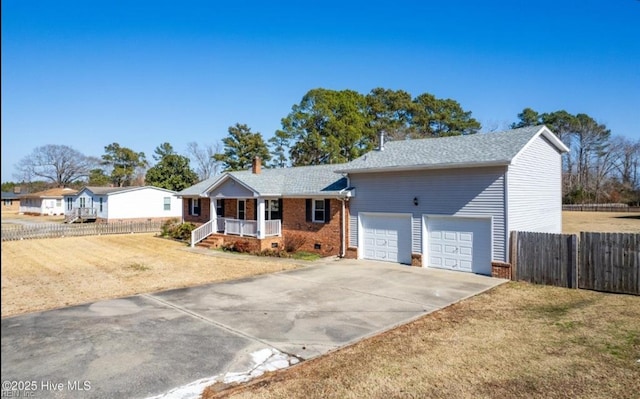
(450, 249)
(387, 237)
(449, 236)
(460, 243)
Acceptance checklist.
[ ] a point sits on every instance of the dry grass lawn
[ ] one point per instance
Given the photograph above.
(603, 222)
(53, 273)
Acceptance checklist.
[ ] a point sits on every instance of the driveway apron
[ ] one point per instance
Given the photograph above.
(150, 344)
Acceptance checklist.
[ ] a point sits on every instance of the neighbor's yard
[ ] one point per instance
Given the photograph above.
(612, 222)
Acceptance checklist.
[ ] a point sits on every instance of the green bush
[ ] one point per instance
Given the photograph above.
(179, 231)
(183, 231)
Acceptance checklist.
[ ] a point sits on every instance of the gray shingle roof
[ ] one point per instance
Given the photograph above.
(10, 195)
(456, 151)
(113, 190)
(319, 180)
(108, 190)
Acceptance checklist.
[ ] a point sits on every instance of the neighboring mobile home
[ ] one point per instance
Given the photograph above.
(445, 202)
(116, 204)
(48, 202)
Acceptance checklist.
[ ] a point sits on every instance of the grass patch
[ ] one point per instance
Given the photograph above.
(138, 267)
(302, 255)
(516, 341)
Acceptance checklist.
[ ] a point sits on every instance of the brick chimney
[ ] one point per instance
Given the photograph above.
(257, 165)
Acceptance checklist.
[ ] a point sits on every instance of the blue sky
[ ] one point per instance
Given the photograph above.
(139, 73)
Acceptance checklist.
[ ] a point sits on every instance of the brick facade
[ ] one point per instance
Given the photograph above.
(320, 238)
(205, 211)
(323, 238)
(501, 270)
(10, 205)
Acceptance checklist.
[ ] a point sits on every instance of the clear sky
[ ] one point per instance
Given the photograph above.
(139, 73)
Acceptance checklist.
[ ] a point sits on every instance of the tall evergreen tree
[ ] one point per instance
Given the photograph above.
(124, 163)
(172, 170)
(279, 145)
(328, 126)
(241, 147)
(390, 112)
(433, 117)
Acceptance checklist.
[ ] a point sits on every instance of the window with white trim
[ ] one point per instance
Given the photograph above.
(319, 211)
(167, 203)
(242, 209)
(195, 207)
(272, 209)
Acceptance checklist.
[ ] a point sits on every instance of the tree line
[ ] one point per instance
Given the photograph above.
(336, 126)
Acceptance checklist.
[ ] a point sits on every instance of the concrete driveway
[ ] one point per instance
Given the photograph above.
(172, 343)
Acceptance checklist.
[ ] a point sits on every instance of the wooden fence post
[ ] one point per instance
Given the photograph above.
(513, 255)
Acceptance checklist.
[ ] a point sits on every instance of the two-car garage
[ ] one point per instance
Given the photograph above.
(449, 242)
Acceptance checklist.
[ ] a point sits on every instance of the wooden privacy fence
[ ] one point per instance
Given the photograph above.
(610, 262)
(53, 230)
(596, 261)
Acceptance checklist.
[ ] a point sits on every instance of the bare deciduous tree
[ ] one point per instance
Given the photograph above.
(59, 164)
(203, 159)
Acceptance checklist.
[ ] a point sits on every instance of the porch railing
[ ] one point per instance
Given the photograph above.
(80, 213)
(236, 227)
(241, 227)
(272, 228)
(201, 232)
(250, 227)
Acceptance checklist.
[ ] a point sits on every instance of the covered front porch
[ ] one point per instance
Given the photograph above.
(254, 217)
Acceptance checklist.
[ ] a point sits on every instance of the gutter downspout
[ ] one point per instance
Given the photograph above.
(343, 216)
(343, 229)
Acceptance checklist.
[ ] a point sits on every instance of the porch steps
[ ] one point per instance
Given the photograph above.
(211, 242)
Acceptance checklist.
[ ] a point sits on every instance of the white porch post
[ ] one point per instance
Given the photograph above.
(262, 226)
(212, 211)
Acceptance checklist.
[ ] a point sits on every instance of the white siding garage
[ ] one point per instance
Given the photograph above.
(458, 243)
(386, 237)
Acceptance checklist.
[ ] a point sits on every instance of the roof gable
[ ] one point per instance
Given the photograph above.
(488, 149)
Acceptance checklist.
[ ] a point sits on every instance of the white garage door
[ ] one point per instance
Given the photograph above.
(457, 243)
(387, 237)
